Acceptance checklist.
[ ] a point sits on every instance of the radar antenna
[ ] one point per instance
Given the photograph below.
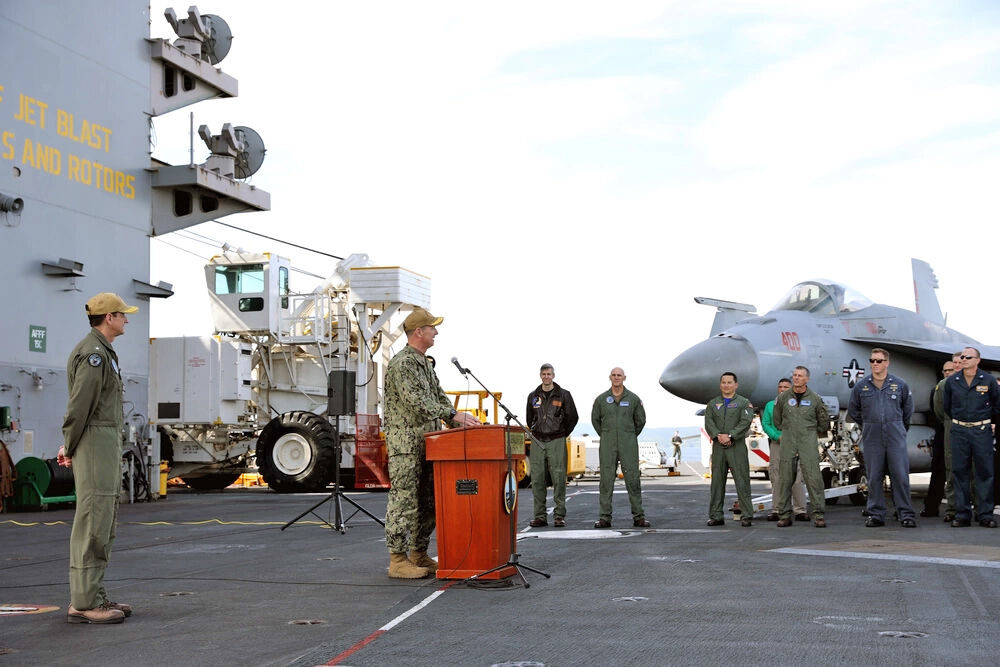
(207, 36)
(236, 152)
(248, 160)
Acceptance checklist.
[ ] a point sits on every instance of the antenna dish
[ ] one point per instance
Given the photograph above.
(249, 159)
(219, 41)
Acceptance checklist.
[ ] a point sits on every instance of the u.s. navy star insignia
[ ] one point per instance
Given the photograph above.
(853, 373)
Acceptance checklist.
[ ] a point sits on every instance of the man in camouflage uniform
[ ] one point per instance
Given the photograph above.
(92, 432)
(415, 404)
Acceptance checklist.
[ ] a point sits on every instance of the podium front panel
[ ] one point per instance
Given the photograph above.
(475, 495)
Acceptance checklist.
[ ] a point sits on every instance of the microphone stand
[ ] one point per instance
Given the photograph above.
(340, 523)
(513, 561)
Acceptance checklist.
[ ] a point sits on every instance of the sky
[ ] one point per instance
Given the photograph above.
(570, 175)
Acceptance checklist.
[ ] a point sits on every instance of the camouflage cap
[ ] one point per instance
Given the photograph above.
(108, 302)
(420, 318)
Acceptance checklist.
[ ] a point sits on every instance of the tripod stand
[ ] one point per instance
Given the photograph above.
(340, 523)
(511, 490)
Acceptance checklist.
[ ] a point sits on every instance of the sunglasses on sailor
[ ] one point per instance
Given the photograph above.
(877, 361)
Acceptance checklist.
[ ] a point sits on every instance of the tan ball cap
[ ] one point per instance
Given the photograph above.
(420, 318)
(108, 302)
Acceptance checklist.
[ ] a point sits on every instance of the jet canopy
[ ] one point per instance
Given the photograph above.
(822, 297)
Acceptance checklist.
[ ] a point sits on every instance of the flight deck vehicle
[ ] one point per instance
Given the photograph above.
(289, 380)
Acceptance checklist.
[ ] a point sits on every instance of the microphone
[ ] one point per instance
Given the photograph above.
(461, 370)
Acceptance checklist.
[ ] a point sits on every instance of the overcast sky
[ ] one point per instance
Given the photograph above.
(571, 174)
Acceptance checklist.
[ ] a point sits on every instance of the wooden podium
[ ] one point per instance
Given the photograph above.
(474, 499)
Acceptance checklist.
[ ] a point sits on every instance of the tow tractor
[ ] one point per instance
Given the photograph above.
(290, 381)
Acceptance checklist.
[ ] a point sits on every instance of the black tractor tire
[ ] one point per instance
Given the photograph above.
(297, 452)
(213, 481)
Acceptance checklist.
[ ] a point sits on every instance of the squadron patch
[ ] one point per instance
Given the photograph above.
(537, 403)
(95, 360)
(610, 399)
(792, 402)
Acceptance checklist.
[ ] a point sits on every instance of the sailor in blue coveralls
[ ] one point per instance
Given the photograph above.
(882, 405)
(971, 397)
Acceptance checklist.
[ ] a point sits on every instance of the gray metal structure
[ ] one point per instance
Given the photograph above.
(831, 329)
(80, 195)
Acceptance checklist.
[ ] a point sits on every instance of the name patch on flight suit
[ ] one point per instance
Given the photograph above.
(557, 404)
(95, 360)
(805, 402)
(624, 404)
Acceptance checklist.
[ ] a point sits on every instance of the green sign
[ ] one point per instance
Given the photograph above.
(36, 338)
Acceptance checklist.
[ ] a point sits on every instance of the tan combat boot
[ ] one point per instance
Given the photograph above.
(102, 614)
(401, 568)
(421, 559)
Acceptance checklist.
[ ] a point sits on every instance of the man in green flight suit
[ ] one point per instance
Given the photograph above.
(415, 404)
(92, 435)
(802, 418)
(938, 403)
(727, 422)
(618, 418)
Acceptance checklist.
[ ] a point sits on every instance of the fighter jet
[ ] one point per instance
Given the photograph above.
(830, 329)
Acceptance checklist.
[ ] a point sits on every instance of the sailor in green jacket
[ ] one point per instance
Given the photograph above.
(802, 418)
(618, 418)
(727, 422)
(92, 436)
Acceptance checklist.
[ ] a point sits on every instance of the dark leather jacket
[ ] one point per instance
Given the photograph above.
(551, 416)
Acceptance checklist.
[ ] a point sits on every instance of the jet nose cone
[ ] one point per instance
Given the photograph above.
(694, 375)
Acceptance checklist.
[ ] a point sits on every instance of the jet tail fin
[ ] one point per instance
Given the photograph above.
(924, 284)
(729, 312)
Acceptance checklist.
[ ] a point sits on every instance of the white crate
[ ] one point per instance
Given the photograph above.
(377, 284)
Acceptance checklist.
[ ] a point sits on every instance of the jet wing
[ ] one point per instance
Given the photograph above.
(934, 351)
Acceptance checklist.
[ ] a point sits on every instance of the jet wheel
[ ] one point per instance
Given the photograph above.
(828, 477)
(857, 476)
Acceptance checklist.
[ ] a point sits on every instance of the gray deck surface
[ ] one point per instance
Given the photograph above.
(214, 581)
